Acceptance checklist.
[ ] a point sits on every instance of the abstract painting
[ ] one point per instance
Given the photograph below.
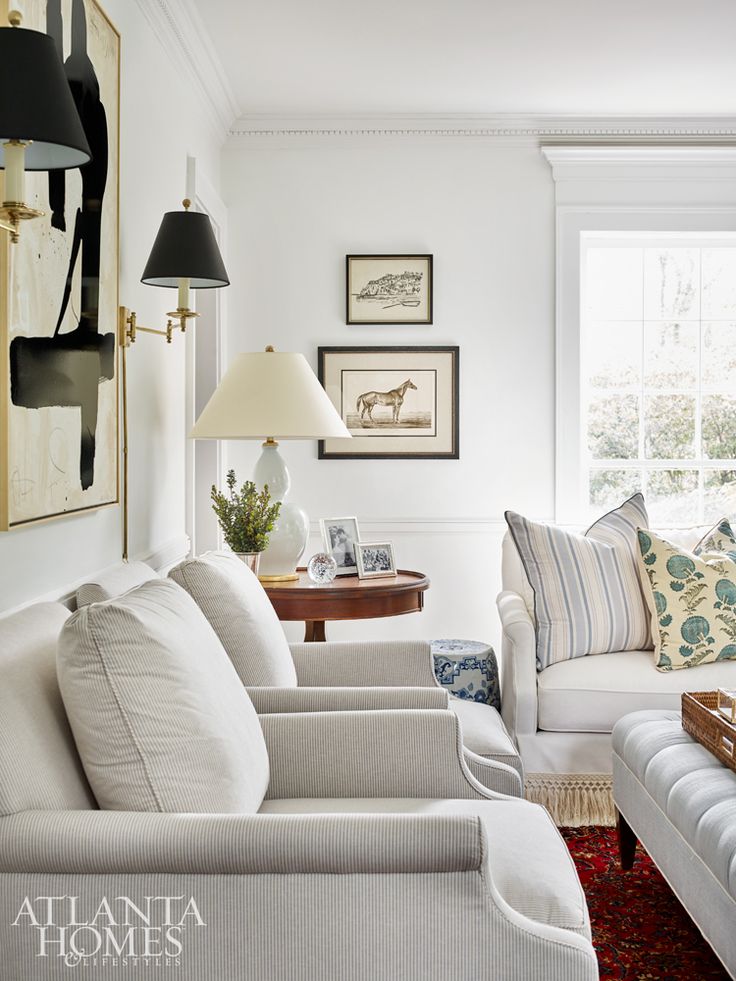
(59, 385)
(397, 402)
(388, 289)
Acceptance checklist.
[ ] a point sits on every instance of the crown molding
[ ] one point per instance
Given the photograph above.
(509, 128)
(642, 163)
(181, 30)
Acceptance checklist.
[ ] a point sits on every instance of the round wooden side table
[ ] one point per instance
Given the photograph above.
(346, 598)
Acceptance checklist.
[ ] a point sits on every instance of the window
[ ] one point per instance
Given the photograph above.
(658, 372)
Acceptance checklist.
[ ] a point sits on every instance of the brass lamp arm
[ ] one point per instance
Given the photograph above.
(128, 326)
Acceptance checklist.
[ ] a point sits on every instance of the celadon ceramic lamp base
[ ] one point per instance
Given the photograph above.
(289, 537)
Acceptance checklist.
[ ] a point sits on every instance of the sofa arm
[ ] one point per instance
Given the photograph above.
(110, 842)
(519, 673)
(500, 778)
(279, 700)
(368, 754)
(376, 663)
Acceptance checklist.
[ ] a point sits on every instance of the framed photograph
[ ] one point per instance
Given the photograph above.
(341, 537)
(58, 324)
(389, 289)
(375, 559)
(397, 402)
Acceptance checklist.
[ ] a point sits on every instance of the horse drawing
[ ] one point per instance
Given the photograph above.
(395, 398)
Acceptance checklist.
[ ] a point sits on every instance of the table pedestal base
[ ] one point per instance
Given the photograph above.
(314, 630)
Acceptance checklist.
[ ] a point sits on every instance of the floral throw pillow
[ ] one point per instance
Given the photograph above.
(720, 538)
(692, 603)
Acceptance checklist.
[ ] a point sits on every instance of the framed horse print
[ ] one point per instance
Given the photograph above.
(397, 402)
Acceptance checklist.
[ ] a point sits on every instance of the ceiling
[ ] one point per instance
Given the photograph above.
(653, 57)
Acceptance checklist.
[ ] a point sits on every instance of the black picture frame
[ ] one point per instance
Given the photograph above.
(423, 300)
(398, 360)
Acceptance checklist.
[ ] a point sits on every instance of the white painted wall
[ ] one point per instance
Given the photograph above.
(162, 120)
(485, 210)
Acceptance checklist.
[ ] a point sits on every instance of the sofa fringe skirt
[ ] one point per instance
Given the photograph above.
(573, 799)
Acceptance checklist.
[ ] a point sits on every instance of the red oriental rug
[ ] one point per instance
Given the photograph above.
(640, 930)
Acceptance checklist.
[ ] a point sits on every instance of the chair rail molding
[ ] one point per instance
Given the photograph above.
(182, 32)
(258, 129)
(429, 526)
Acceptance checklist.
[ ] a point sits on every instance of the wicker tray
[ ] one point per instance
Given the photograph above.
(702, 720)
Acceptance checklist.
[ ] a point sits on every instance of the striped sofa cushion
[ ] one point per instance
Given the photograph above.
(587, 596)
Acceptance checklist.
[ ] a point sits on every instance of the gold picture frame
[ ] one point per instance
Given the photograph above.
(59, 375)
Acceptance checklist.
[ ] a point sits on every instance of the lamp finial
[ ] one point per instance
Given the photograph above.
(269, 349)
(187, 204)
(14, 18)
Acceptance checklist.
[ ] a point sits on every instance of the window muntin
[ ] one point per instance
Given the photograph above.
(658, 373)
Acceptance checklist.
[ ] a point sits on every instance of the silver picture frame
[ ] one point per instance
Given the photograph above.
(340, 537)
(375, 560)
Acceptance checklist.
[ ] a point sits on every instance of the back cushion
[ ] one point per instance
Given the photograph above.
(160, 717)
(241, 614)
(587, 596)
(40, 768)
(114, 582)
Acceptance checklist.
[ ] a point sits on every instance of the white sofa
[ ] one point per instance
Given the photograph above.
(345, 871)
(561, 718)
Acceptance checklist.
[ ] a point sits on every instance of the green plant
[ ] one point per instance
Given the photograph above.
(245, 516)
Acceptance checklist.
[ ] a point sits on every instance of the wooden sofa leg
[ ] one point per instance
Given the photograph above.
(626, 842)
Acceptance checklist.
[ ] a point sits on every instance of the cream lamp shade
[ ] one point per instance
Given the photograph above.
(269, 394)
(273, 396)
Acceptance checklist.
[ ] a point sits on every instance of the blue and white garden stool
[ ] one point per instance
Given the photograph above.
(468, 669)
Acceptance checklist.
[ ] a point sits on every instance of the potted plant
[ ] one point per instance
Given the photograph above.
(246, 518)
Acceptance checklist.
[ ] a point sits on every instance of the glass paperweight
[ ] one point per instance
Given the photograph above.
(322, 568)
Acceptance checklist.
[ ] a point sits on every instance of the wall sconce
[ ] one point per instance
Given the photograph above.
(40, 128)
(185, 256)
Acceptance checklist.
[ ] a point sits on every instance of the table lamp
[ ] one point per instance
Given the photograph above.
(272, 396)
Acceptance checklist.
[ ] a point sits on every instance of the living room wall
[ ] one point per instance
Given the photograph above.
(157, 135)
(485, 209)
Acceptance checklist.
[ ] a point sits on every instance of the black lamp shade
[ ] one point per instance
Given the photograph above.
(185, 248)
(37, 103)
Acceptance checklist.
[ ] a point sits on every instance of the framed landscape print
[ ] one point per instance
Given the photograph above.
(58, 316)
(388, 289)
(397, 402)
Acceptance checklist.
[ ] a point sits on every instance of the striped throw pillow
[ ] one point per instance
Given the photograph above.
(587, 595)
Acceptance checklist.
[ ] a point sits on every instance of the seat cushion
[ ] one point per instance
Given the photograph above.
(590, 694)
(114, 582)
(587, 595)
(483, 730)
(241, 614)
(528, 861)
(159, 715)
(692, 603)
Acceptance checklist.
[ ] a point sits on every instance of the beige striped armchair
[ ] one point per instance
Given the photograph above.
(399, 867)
